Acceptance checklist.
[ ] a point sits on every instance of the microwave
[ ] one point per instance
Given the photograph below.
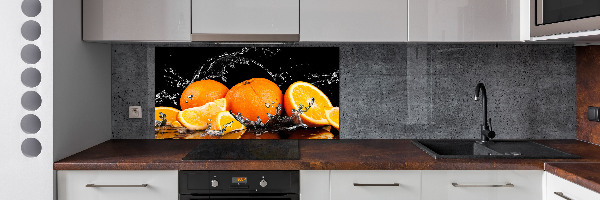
(569, 18)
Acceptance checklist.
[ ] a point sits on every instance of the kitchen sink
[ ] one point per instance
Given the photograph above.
(440, 149)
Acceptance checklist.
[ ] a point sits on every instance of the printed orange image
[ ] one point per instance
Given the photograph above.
(247, 93)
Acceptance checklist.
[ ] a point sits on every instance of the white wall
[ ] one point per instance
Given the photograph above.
(82, 84)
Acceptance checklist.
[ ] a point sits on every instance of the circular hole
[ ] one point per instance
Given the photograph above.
(31, 54)
(31, 100)
(31, 124)
(31, 147)
(31, 8)
(31, 77)
(31, 30)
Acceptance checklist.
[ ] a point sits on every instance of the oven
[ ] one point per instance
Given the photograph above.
(235, 185)
(556, 17)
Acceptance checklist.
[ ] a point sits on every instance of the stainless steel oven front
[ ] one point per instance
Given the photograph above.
(238, 185)
(554, 17)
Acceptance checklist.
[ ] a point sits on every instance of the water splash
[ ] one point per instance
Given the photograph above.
(163, 96)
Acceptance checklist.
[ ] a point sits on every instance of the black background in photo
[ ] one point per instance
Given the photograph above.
(177, 67)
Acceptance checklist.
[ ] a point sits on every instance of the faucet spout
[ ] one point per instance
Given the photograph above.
(486, 132)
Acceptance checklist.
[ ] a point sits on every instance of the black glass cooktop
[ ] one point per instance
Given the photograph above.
(245, 150)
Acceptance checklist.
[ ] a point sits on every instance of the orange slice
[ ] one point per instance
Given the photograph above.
(176, 124)
(225, 122)
(198, 118)
(333, 117)
(171, 114)
(301, 94)
(222, 103)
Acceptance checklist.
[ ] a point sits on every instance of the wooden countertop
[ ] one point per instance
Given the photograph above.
(581, 173)
(314, 155)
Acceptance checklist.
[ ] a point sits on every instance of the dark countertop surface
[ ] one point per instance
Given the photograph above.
(581, 173)
(314, 155)
(331, 155)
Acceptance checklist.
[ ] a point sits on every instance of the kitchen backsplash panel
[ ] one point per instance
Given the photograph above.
(401, 90)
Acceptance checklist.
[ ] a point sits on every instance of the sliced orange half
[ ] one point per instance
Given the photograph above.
(169, 112)
(301, 95)
(198, 118)
(333, 117)
(225, 122)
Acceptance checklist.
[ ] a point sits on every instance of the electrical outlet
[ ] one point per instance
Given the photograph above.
(135, 112)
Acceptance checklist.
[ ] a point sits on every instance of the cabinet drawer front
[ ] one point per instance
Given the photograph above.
(380, 185)
(355, 21)
(117, 185)
(555, 184)
(136, 20)
(246, 17)
(482, 184)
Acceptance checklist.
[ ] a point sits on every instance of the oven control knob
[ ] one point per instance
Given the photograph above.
(214, 183)
(263, 183)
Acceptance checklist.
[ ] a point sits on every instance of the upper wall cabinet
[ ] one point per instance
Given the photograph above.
(354, 20)
(244, 20)
(468, 20)
(136, 20)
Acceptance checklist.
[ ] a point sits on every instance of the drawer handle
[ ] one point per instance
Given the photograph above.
(560, 194)
(362, 184)
(505, 185)
(94, 185)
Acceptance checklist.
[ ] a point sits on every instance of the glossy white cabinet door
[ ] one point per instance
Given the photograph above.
(567, 189)
(343, 185)
(245, 17)
(314, 184)
(136, 20)
(468, 20)
(354, 20)
(162, 185)
(477, 184)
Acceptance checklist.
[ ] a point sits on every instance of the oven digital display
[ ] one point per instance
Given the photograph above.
(239, 180)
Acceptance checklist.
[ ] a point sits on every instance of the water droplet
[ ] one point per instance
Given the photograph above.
(268, 106)
(191, 97)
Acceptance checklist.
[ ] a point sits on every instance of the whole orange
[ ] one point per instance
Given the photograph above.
(255, 98)
(201, 92)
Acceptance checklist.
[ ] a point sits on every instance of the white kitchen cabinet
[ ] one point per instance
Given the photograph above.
(117, 185)
(136, 20)
(243, 20)
(482, 184)
(379, 184)
(561, 189)
(314, 184)
(354, 20)
(468, 20)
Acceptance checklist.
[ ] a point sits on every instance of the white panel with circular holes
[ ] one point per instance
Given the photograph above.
(26, 43)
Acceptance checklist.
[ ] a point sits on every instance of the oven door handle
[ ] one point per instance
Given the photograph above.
(246, 196)
(252, 197)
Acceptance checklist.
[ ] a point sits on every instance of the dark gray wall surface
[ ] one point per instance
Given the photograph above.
(400, 90)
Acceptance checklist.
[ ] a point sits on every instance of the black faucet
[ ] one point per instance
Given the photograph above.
(486, 129)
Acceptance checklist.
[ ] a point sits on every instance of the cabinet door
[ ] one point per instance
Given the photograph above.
(468, 20)
(354, 20)
(117, 185)
(561, 189)
(482, 184)
(314, 184)
(245, 17)
(379, 185)
(136, 20)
